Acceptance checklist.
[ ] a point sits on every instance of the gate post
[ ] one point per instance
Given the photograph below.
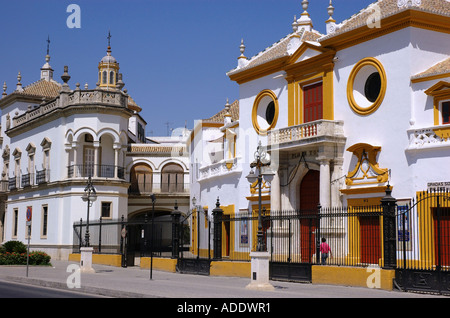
(217, 236)
(318, 236)
(175, 214)
(388, 204)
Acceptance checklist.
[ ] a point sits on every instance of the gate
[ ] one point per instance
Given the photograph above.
(130, 239)
(293, 241)
(194, 256)
(423, 243)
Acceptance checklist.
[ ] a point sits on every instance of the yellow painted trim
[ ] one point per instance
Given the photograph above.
(231, 269)
(353, 276)
(443, 133)
(162, 264)
(260, 70)
(258, 98)
(318, 68)
(194, 234)
(291, 104)
(303, 48)
(354, 253)
(255, 198)
(393, 23)
(364, 190)
(371, 152)
(440, 92)
(430, 78)
(228, 210)
(102, 259)
(369, 61)
(427, 244)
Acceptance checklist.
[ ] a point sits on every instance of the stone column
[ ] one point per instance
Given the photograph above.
(96, 159)
(275, 193)
(325, 182)
(116, 161)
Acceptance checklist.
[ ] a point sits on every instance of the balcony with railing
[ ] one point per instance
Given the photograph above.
(25, 180)
(160, 188)
(311, 133)
(433, 137)
(95, 171)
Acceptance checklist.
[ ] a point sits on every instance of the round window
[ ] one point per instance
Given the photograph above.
(270, 112)
(366, 86)
(372, 88)
(265, 112)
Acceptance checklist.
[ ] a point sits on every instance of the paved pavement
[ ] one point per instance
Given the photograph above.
(134, 282)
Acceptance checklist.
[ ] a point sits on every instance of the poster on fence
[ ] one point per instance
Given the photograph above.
(243, 233)
(403, 225)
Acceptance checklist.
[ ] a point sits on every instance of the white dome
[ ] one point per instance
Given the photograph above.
(108, 59)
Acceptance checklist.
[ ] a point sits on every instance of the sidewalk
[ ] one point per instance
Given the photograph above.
(134, 282)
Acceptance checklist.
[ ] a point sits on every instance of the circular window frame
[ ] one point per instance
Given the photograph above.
(257, 104)
(368, 109)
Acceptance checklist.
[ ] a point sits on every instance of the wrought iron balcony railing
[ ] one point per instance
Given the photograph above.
(95, 171)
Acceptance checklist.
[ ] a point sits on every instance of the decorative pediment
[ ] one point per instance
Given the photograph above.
(440, 88)
(5, 154)
(17, 153)
(306, 51)
(366, 169)
(31, 148)
(46, 143)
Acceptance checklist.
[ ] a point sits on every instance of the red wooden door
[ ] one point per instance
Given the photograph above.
(313, 102)
(444, 236)
(370, 249)
(309, 200)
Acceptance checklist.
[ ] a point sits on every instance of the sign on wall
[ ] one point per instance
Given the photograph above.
(439, 186)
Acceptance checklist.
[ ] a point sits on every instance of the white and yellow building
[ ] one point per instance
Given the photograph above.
(342, 114)
(54, 137)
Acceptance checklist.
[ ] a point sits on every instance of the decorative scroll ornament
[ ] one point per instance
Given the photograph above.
(366, 169)
(409, 3)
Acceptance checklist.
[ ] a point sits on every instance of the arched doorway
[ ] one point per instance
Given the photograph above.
(309, 201)
(146, 234)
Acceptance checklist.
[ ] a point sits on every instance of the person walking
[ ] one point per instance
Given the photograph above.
(325, 249)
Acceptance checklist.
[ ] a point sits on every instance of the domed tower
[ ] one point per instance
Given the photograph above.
(108, 69)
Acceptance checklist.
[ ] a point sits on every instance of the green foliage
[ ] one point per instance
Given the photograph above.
(15, 247)
(15, 253)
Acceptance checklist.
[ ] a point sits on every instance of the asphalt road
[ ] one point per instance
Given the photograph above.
(14, 290)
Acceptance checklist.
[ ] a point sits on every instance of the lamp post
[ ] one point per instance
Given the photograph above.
(89, 196)
(260, 257)
(259, 163)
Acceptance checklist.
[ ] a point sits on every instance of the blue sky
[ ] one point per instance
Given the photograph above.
(174, 54)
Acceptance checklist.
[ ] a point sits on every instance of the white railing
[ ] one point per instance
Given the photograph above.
(223, 167)
(76, 97)
(318, 128)
(426, 138)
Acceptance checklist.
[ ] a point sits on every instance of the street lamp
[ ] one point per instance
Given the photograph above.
(260, 162)
(89, 196)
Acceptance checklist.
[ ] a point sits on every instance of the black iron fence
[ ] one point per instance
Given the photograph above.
(136, 238)
(411, 236)
(349, 236)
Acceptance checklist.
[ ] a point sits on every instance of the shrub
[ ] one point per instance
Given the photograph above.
(15, 253)
(15, 247)
(39, 258)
